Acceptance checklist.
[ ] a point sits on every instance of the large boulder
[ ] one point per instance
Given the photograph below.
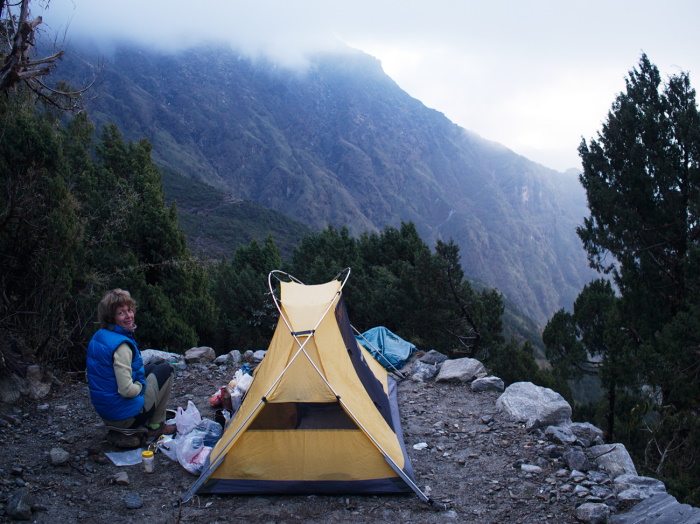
(586, 433)
(202, 355)
(155, 356)
(36, 384)
(18, 505)
(422, 371)
(39, 381)
(490, 383)
(658, 509)
(614, 459)
(632, 487)
(433, 357)
(592, 513)
(461, 370)
(12, 387)
(534, 405)
(560, 435)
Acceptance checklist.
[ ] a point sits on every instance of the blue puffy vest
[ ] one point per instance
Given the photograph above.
(104, 391)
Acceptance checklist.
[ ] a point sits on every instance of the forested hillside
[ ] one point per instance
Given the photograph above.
(341, 143)
(216, 223)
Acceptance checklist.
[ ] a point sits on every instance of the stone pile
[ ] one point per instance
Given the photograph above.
(599, 479)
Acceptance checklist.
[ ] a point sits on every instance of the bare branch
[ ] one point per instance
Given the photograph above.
(20, 68)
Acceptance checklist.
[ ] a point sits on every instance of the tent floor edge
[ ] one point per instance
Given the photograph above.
(386, 486)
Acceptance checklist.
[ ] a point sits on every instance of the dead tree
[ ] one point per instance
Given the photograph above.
(18, 35)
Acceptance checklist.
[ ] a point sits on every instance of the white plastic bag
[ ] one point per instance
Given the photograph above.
(187, 419)
(192, 453)
(167, 445)
(243, 380)
(191, 450)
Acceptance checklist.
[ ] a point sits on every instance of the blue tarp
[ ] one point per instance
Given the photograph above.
(390, 350)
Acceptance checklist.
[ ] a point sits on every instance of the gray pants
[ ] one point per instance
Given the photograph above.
(159, 384)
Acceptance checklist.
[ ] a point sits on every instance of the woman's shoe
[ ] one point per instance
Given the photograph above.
(123, 441)
(161, 429)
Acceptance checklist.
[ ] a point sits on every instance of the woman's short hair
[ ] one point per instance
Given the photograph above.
(109, 304)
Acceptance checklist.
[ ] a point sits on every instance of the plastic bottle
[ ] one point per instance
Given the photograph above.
(148, 461)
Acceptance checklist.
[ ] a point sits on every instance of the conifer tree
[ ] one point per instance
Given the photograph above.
(642, 179)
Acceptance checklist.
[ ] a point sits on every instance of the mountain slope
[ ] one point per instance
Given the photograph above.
(341, 143)
(216, 223)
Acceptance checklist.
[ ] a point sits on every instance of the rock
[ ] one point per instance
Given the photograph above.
(577, 460)
(560, 435)
(18, 506)
(248, 356)
(553, 451)
(155, 356)
(529, 468)
(601, 492)
(201, 355)
(614, 459)
(528, 403)
(222, 360)
(133, 500)
(577, 476)
(121, 478)
(433, 357)
(659, 509)
(422, 371)
(58, 456)
(592, 513)
(259, 355)
(235, 357)
(38, 381)
(581, 491)
(490, 383)
(12, 387)
(586, 433)
(632, 487)
(461, 370)
(598, 477)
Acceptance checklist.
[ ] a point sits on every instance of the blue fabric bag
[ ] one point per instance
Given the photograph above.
(390, 350)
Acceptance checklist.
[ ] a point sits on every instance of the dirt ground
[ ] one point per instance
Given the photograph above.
(470, 467)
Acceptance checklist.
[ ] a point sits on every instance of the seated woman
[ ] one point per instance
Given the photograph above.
(124, 393)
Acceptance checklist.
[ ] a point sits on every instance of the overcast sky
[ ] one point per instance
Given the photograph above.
(534, 75)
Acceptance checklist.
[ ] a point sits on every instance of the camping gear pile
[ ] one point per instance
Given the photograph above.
(194, 440)
(321, 415)
(229, 397)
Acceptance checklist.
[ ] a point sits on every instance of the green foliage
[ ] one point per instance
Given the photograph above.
(40, 234)
(515, 362)
(81, 216)
(642, 180)
(217, 224)
(398, 283)
(240, 289)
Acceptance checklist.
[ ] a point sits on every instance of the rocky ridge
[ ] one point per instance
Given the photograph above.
(482, 453)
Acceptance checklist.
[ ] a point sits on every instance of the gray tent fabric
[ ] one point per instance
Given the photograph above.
(389, 349)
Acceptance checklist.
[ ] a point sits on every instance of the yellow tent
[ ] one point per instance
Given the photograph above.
(321, 414)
